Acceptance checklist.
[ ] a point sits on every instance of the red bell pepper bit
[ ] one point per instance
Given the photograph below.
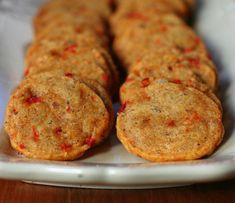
(145, 82)
(193, 118)
(196, 117)
(26, 71)
(136, 16)
(170, 123)
(69, 75)
(163, 28)
(93, 98)
(35, 134)
(32, 99)
(177, 81)
(105, 77)
(194, 61)
(65, 147)
(123, 89)
(57, 131)
(71, 48)
(22, 146)
(90, 141)
(123, 107)
(197, 40)
(188, 50)
(15, 111)
(68, 109)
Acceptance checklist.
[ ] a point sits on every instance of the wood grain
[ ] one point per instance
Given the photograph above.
(13, 192)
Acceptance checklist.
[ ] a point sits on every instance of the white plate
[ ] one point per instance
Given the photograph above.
(109, 165)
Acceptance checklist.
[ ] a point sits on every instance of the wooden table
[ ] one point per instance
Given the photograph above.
(13, 191)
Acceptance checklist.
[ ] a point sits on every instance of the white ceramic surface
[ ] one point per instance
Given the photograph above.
(109, 165)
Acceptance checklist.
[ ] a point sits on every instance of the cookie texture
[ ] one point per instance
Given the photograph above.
(45, 117)
(173, 124)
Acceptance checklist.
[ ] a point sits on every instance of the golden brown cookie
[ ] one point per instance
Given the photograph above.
(132, 45)
(131, 18)
(175, 66)
(133, 90)
(79, 20)
(175, 123)
(178, 7)
(85, 37)
(51, 53)
(87, 9)
(55, 117)
(99, 90)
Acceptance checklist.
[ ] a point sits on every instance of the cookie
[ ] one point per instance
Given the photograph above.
(55, 117)
(133, 90)
(131, 45)
(177, 7)
(80, 20)
(120, 25)
(51, 54)
(176, 66)
(177, 123)
(99, 90)
(74, 7)
(85, 37)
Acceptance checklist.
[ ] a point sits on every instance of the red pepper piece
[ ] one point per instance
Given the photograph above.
(57, 131)
(105, 77)
(193, 118)
(196, 117)
(170, 123)
(163, 28)
(15, 111)
(70, 75)
(22, 146)
(35, 134)
(93, 98)
(188, 50)
(90, 141)
(71, 48)
(26, 71)
(194, 61)
(123, 89)
(145, 82)
(66, 147)
(32, 99)
(197, 40)
(177, 81)
(68, 109)
(123, 107)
